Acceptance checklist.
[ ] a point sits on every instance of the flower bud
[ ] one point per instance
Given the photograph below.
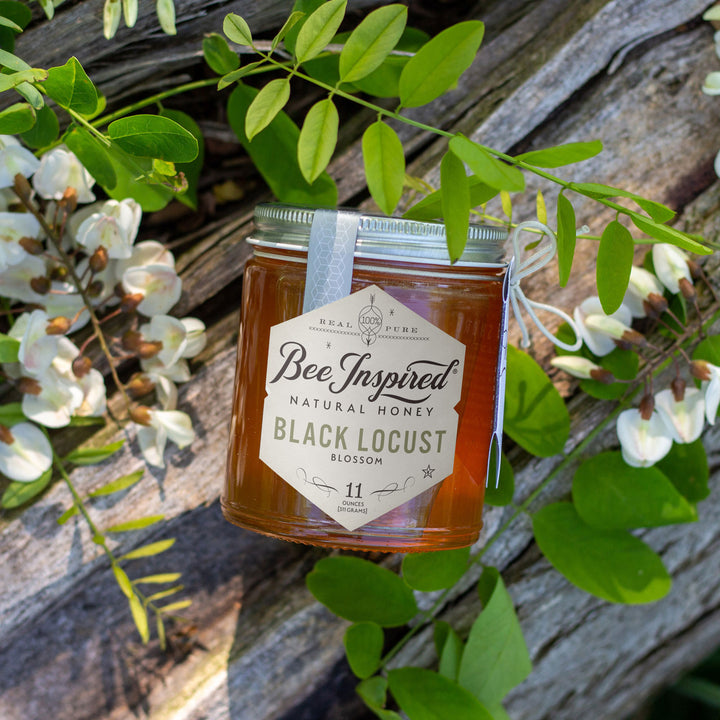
(131, 340)
(58, 325)
(581, 367)
(130, 302)
(59, 273)
(615, 329)
(81, 366)
(695, 270)
(678, 389)
(687, 289)
(140, 415)
(6, 436)
(29, 386)
(655, 305)
(139, 386)
(671, 264)
(95, 288)
(700, 370)
(148, 350)
(98, 260)
(647, 405)
(32, 246)
(40, 285)
(69, 200)
(22, 187)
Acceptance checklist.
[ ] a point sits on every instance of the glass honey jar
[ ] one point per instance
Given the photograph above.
(370, 421)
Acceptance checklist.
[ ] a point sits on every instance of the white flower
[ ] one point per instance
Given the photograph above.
(581, 367)
(25, 452)
(37, 348)
(57, 401)
(711, 86)
(712, 392)
(642, 285)
(14, 227)
(14, 159)
(598, 343)
(159, 285)
(114, 227)
(171, 333)
(684, 419)
(15, 279)
(148, 252)
(94, 402)
(164, 425)
(643, 442)
(60, 169)
(196, 337)
(65, 301)
(671, 266)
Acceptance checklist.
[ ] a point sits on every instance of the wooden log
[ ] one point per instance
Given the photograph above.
(261, 647)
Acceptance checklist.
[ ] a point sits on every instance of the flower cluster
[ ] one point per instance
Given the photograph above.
(675, 414)
(63, 267)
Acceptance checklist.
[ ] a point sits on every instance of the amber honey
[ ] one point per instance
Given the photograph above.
(464, 300)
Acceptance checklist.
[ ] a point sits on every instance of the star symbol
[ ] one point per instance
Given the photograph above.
(392, 312)
(328, 346)
(428, 471)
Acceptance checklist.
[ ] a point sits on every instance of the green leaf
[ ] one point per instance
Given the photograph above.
(610, 564)
(614, 262)
(122, 483)
(708, 349)
(425, 695)
(130, 184)
(438, 65)
(666, 234)
(71, 88)
(360, 591)
(566, 237)
(72, 511)
(438, 570)
(17, 118)
(489, 169)
(13, 62)
(318, 29)
(318, 138)
(154, 136)
(237, 30)
(610, 494)
(430, 207)
(92, 154)
(140, 617)
(137, 524)
(235, 75)
(8, 23)
(686, 466)
(149, 550)
(293, 18)
(455, 203)
(160, 578)
(9, 347)
(45, 130)
(218, 55)
(373, 692)
(450, 649)
(18, 493)
(14, 80)
(160, 625)
(123, 581)
(561, 155)
(371, 42)
(267, 104)
(164, 593)
(502, 494)
(384, 161)
(17, 12)
(191, 169)
(535, 415)
(657, 211)
(172, 607)
(496, 658)
(26, 90)
(623, 364)
(90, 456)
(11, 414)
(363, 646)
(274, 154)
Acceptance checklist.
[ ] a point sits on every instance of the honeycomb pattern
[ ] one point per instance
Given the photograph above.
(330, 257)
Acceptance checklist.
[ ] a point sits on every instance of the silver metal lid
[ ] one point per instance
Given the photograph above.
(287, 227)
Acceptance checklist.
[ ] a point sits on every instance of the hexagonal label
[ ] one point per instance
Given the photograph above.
(360, 409)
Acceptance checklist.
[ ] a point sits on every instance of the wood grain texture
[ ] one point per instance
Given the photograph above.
(552, 71)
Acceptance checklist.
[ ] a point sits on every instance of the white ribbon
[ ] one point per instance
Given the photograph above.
(543, 254)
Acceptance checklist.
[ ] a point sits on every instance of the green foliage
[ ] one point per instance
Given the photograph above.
(9, 347)
(17, 118)
(45, 129)
(623, 364)
(318, 138)
(438, 65)
(373, 691)
(268, 102)
(274, 153)
(450, 648)
(430, 207)
(686, 466)
(384, 160)
(610, 494)
(566, 237)
(19, 14)
(154, 136)
(560, 155)
(318, 29)
(361, 591)
(218, 54)
(535, 415)
(426, 695)
(611, 564)
(191, 170)
(708, 349)
(363, 647)
(614, 262)
(92, 154)
(11, 414)
(502, 494)
(491, 171)
(90, 456)
(18, 493)
(657, 211)
(137, 524)
(495, 658)
(71, 88)
(149, 550)
(435, 570)
(122, 483)
(237, 30)
(455, 203)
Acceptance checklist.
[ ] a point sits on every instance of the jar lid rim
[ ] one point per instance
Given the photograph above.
(378, 236)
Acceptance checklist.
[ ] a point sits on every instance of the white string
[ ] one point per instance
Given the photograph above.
(543, 254)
